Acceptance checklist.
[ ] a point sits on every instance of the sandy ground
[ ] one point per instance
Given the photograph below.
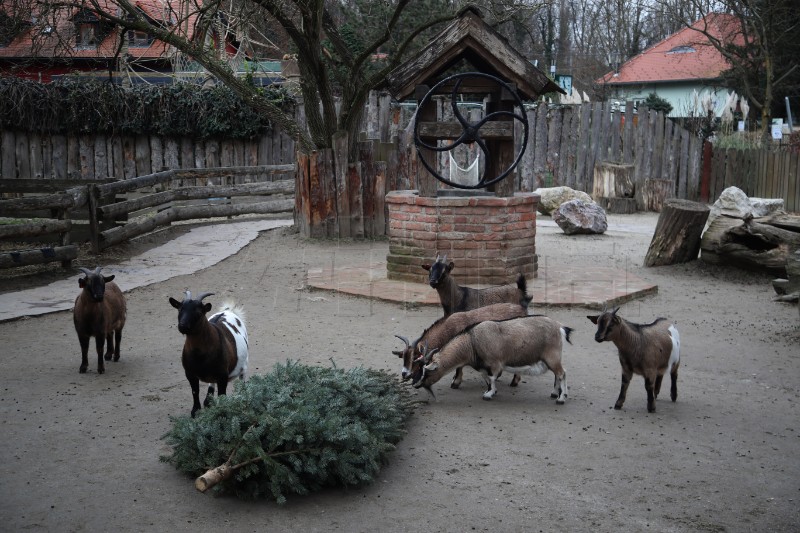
(80, 451)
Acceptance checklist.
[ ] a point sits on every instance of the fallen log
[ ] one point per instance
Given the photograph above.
(37, 257)
(677, 235)
(753, 244)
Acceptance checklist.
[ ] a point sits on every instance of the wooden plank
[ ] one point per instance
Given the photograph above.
(564, 174)
(792, 192)
(156, 153)
(35, 155)
(682, 162)
(129, 156)
(47, 157)
(581, 178)
(86, 144)
(657, 147)
(341, 152)
(615, 132)
(639, 169)
(596, 141)
(384, 116)
(368, 183)
(668, 159)
(355, 190)
(605, 137)
(143, 166)
(540, 157)
(73, 157)
(8, 158)
(525, 168)
(379, 227)
(553, 147)
(59, 157)
(212, 153)
(100, 162)
(22, 155)
(627, 135)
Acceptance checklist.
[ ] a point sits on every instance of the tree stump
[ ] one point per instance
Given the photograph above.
(612, 180)
(656, 192)
(677, 235)
(620, 206)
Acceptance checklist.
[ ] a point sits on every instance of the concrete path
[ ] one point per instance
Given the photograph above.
(200, 248)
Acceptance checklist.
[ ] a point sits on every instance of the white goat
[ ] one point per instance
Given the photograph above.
(650, 350)
(527, 345)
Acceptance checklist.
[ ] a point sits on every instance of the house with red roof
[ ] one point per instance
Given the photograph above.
(76, 41)
(679, 69)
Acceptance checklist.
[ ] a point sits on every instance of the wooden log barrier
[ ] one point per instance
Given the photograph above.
(34, 229)
(37, 257)
(677, 235)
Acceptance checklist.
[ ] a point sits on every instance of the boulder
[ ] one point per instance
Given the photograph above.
(733, 202)
(576, 216)
(552, 197)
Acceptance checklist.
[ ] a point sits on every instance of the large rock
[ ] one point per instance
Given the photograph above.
(576, 217)
(552, 197)
(734, 202)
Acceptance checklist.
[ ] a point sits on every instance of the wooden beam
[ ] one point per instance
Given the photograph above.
(37, 257)
(497, 130)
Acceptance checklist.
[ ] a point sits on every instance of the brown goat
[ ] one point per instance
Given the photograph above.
(650, 350)
(99, 312)
(447, 327)
(455, 298)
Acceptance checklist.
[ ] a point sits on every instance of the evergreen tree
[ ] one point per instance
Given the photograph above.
(294, 430)
(656, 103)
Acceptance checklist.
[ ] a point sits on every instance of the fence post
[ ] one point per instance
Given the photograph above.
(93, 193)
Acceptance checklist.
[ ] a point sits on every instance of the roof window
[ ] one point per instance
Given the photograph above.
(684, 49)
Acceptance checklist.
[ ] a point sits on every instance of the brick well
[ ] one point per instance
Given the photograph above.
(490, 239)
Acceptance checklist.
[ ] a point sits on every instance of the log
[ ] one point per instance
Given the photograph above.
(655, 192)
(751, 244)
(213, 477)
(33, 229)
(37, 257)
(620, 206)
(677, 235)
(612, 180)
(792, 284)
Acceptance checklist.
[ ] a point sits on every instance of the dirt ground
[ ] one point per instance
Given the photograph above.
(81, 451)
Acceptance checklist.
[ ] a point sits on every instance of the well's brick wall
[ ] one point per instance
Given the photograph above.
(491, 240)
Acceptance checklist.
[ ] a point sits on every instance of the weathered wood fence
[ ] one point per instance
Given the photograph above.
(156, 200)
(759, 173)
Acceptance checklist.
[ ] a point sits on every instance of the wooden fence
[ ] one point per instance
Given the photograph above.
(156, 200)
(759, 173)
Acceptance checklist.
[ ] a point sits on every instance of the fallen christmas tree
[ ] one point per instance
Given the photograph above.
(294, 430)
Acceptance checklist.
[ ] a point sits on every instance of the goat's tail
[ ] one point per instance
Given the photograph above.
(235, 308)
(522, 285)
(566, 332)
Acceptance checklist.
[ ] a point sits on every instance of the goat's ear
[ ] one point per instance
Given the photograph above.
(430, 367)
(450, 266)
(174, 303)
(82, 283)
(593, 318)
(398, 353)
(108, 278)
(426, 267)
(206, 307)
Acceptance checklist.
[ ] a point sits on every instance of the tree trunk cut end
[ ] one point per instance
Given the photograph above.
(213, 477)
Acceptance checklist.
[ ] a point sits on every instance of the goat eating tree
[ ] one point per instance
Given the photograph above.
(215, 350)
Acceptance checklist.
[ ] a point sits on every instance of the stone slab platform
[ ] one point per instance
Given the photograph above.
(555, 286)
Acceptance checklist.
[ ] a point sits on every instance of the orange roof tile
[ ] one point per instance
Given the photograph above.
(685, 55)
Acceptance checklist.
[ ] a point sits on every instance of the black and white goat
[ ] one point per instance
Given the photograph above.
(215, 350)
(100, 311)
(528, 345)
(650, 350)
(455, 298)
(447, 327)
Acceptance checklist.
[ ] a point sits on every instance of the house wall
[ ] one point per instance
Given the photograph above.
(679, 95)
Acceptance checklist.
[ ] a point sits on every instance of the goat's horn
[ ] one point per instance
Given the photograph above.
(203, 295)
(405, 340)
(85, 271)
(437, 258)
(445, 259)
(97, 270)
(188, 294)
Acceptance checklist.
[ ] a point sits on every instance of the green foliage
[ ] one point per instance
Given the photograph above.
(296, 429)
(181, 109)
(656, 103)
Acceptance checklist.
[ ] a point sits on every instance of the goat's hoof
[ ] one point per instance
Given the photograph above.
(116, 358)
(651, 409)
(455, 385)
(82, 370)
(553, 395)
(101, 370)
(560, 402)
(107, 356)
(487, 398)
(618, 406)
